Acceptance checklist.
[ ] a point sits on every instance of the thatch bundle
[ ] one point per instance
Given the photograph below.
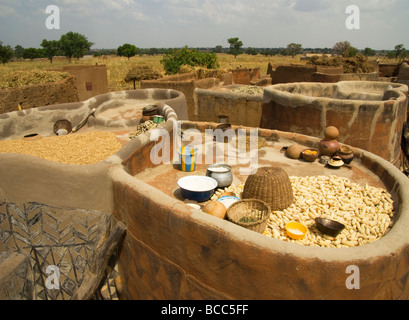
(34, 77)
(142, 72)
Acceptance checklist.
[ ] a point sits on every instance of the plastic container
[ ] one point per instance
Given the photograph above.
(187, 159)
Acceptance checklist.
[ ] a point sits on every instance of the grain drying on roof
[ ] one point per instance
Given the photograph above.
(366, 211)
(80, 148)
(34, 77)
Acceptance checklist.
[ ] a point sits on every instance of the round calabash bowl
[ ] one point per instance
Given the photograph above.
(197, 188)
(329, 227)
(310, 155)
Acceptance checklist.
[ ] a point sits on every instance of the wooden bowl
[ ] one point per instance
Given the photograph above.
(329, 227)
(310, 155)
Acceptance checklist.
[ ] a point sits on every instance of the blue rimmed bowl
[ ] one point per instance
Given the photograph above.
(197, 188)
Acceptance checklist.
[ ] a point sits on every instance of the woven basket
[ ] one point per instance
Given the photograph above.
(251, 214)
(271, 185)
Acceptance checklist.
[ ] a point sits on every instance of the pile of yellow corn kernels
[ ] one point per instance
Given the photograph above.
(367, 212)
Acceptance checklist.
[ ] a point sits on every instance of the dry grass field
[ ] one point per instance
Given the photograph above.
(119, 66)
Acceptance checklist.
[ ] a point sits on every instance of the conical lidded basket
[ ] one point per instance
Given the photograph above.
(271, 185)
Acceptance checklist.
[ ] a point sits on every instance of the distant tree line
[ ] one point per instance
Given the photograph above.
(70, 45)
(75, 45)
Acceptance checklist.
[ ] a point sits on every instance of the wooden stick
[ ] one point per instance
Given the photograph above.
(83, 122)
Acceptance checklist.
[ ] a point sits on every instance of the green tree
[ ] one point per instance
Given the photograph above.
(31, 53)
(341, 48)
(251, 51)
(391, 54)
(74, 45)
(6, 53)
(175, 58)
(235, 46)
(218, 49)
(294, 48)
(400, 52)
(51, 48)
(399, 49)
(369, 52)
(18, 51)
(127, 50)
(352, 52)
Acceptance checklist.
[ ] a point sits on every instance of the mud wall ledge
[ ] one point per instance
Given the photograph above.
(191, 255)
(369, 115)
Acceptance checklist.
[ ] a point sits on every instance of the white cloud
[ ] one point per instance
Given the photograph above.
(108, 9)
(311, 5)
(6, 11)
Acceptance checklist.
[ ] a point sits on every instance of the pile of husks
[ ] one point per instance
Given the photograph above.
(142, 72)
(357, 64)
(34, 77)
(203, 73)
(249, 90)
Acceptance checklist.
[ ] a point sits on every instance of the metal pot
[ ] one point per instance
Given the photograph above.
(221, 173)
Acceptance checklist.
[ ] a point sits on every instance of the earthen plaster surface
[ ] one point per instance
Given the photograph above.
(172, 251)
(198, 256)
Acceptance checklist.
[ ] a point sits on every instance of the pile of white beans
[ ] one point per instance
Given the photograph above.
(367, 212)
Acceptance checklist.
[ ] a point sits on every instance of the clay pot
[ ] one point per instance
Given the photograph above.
(329, 147)
(294, 151)
(331, 133)
(345, 154)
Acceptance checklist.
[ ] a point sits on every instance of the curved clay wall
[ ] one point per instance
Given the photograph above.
(59, 214)
(126, 109)
(241, 108)
(369, 115)
(172, 251)
(30, 179)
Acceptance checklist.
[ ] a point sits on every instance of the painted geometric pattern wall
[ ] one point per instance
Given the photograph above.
(49, 236)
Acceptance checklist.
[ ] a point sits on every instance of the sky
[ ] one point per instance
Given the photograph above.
(383, 24)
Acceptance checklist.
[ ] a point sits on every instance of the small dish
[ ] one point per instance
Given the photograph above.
(296, 230)
(227, 201)
(329, 227)
(324, 160)
(336, 162)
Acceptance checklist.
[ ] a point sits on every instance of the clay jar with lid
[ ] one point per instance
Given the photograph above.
(346, 154)
(329, 146)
